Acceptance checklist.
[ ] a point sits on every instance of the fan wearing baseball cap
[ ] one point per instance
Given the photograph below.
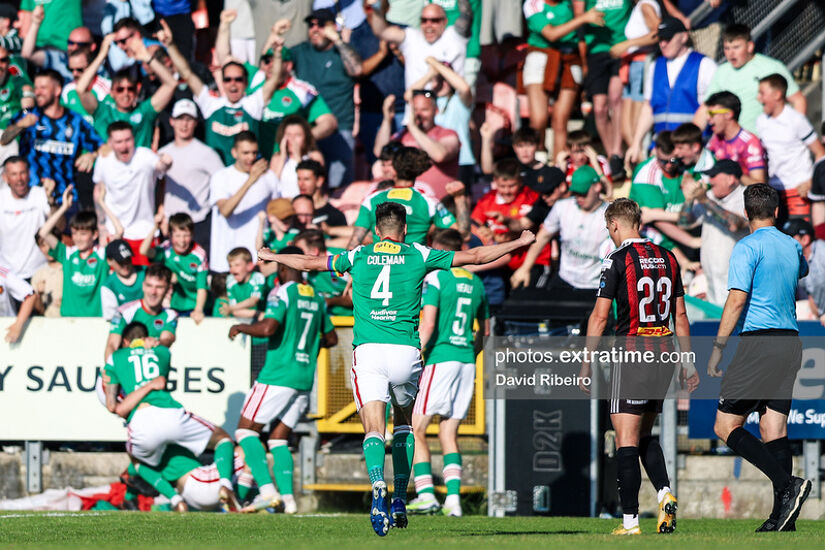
(721, 211)
(193, 163)
(814, 251)
(675, 85)
(125, 282)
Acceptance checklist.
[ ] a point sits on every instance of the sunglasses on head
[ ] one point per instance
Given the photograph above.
(228, 79)
(426, 93)
(431, 20)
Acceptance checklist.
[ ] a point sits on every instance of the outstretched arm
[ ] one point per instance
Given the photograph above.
(178, 60)
(374, 9)
(222, 39)
(28, 49)
(300, 262)
(486, 254)
(87, 97)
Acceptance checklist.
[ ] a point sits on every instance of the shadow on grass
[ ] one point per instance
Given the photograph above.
(517, 533)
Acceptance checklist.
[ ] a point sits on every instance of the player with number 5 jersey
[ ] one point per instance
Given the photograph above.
(387, 277)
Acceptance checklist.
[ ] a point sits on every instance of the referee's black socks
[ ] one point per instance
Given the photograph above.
(629, 478)
(653, 459)
(757, 453)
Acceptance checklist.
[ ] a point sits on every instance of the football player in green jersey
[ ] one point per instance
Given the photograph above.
(296, 325)
(453, 299)
(423, 211)
(149, 310)
(154, 418)
(387, 277)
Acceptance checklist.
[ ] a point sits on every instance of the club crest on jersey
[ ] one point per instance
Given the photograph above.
(157, 323)
(91, 262)
(4, 94)
(386, 247)
(193, 265)
(68, 132)
(306, 291)
(400, 194)
(136, 118)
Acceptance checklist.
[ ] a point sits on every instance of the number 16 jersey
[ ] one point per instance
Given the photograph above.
(132, 368)
(387, 277)
(645, 281)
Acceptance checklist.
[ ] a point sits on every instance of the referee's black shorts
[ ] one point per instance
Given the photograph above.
(762, 373)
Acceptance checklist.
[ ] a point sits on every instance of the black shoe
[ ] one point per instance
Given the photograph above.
(617, 171)
(769, 525)
(791, 500)
(130, 505)
(790, 527)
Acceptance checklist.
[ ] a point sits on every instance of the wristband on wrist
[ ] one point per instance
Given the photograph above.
(718, 345)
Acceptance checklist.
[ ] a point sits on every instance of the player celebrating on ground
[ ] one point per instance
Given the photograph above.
(158, 420)
(645, 281)
(386, 363)
(453, 299)
(293, 322)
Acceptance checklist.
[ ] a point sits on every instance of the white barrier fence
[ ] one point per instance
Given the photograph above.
(47, 379)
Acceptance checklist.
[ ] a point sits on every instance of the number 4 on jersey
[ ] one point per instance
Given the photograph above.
(381, 288)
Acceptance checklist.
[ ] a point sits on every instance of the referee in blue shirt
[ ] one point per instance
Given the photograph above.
(764, 270)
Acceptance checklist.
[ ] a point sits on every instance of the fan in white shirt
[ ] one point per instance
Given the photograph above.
(23, 210)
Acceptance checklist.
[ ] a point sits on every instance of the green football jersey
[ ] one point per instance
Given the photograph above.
(616, 14)
(460, 298)
(387, 277)
(254, 286)
(191, 269)
(165, 321)
(541, 14)
(82, 279)
(223, 125)
(142, 119)
(71, 99)
(176, 462)
(122, 292)
(272, 242)
(11, 92)
(292, 352)
(132, 368)
(422, 212)
(330, 285)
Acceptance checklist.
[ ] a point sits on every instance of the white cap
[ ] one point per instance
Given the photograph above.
(185, 107)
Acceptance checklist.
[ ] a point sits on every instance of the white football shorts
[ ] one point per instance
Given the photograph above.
(153, 428)
(264, 403)
(446, 390)
(385, 372)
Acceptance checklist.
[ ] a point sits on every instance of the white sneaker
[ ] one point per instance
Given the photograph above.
(423, 505)
(290, 506)
(453, 511)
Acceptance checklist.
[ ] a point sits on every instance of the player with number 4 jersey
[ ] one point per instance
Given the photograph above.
(387, 277)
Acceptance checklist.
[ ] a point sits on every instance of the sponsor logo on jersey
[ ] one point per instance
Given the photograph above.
(386, 247)
(653, 331)
(79, 279)
(400, 194)
(652, 263)
(306, 290)
(461, 272)
(157, 323)
(224, 130)
(54, 147)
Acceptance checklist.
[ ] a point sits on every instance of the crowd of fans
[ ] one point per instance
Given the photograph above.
(138, 148)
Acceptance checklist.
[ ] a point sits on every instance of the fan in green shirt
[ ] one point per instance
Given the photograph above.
(15, 92)
(125, 283)
(122, 103)
(61, 17)
(616, 14)
(186, 259)
(84, 263)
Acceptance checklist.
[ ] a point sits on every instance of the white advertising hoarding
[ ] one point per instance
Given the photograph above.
(47, 379)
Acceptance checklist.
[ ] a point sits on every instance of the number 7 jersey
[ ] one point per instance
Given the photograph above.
(645, 280)
(387, 277)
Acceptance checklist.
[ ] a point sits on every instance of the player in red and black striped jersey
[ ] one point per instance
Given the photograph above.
(645, 281)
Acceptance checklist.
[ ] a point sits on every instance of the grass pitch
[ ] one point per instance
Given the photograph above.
(201, 531)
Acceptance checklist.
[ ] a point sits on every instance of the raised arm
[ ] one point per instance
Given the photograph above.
(99, 193)
(28, 48)
(300, 262)
(223, 48)
(382, 137)
(464, 24)
(87, 97)
(465, 93)
(486, 254)
(164, 94)
(178, 60)
(350, 58)
(378, 23)
(45, 231)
